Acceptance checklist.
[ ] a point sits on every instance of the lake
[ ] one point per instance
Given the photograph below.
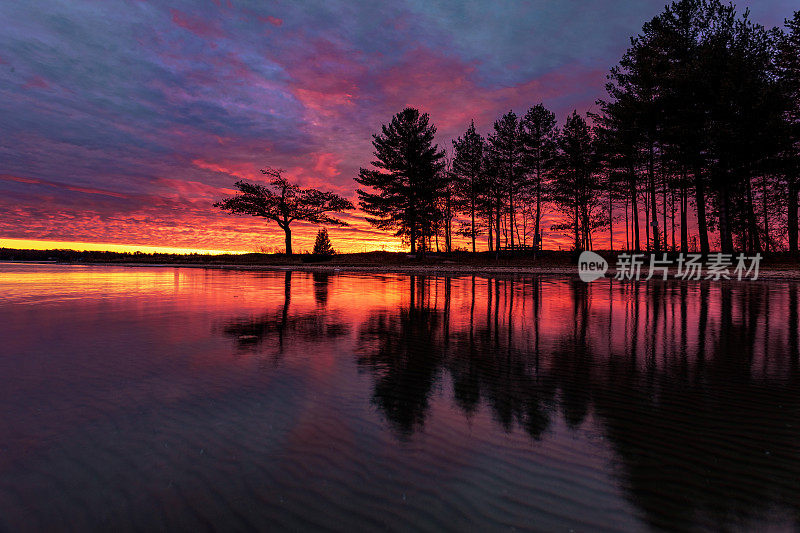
(142, 398)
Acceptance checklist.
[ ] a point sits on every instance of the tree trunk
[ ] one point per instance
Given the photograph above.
(447, 238)
(791, 216)
(472, 213)
(577, 226)
(491, 225)
(725, 237)
(634, 212)
(672, 216)
(288, 233)
(700, 201)
(497, 226)
(537, 241)
(627, 229)
(664, 198)
(413, 237)
(684, 219)
(647, 224)
(651, 172)
(511, 217)
(751, 217)
(610, 220)
(766, 217)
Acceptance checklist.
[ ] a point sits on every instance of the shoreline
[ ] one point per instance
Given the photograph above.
(766, 273)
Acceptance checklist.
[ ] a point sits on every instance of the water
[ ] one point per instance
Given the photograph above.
(189, 399)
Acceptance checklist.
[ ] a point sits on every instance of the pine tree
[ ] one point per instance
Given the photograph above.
(696, 95)
(322, 246)
(505, 143)
(467, 170)
(407, 180)
(574, 189)
(619, 153)
(789, 70)
(539, 134)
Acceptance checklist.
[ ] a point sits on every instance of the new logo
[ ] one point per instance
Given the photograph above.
(591, 266)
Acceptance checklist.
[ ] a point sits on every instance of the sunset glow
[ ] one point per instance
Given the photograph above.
(413, 265)
(124, 123)
(102, 246)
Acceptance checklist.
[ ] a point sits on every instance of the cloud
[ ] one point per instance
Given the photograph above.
(195, 25)
(124, 121)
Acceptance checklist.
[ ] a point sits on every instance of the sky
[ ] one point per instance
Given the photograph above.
(124, 121)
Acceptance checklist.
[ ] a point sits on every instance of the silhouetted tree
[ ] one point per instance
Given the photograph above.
(322, 245)
(493, 197)
(284, 202)
(575, 185)
(447, 209)
(618, 142)
(617, 155)
(506, 146)
(702, 106)
(539, 134)
(696, 95)
(789, 72)
(407, 179)
(738, 61)
(468, 165)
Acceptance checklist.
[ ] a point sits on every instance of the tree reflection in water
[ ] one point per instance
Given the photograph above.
(695, 386)
(405, 349)
(277, 326)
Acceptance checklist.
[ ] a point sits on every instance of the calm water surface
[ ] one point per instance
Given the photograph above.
(189, 399)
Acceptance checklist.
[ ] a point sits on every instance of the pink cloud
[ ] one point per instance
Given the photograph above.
(447, 88)
(325, 76)
(326, 164)
(244, 171)
(193, 189)
(86, 190)
(347, 95)
(195, 25)
(36, 82)
(19, 179)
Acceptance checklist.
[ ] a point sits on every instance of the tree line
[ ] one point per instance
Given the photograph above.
(702, 111)
(701, 121)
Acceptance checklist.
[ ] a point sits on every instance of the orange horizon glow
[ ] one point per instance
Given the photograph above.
(35, 244)
(254, 237)
(82, 246)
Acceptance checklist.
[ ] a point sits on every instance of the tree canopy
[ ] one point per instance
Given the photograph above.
(322, 244)
(468, 156)
(702, 111)
(284, 202)
(406, 182)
